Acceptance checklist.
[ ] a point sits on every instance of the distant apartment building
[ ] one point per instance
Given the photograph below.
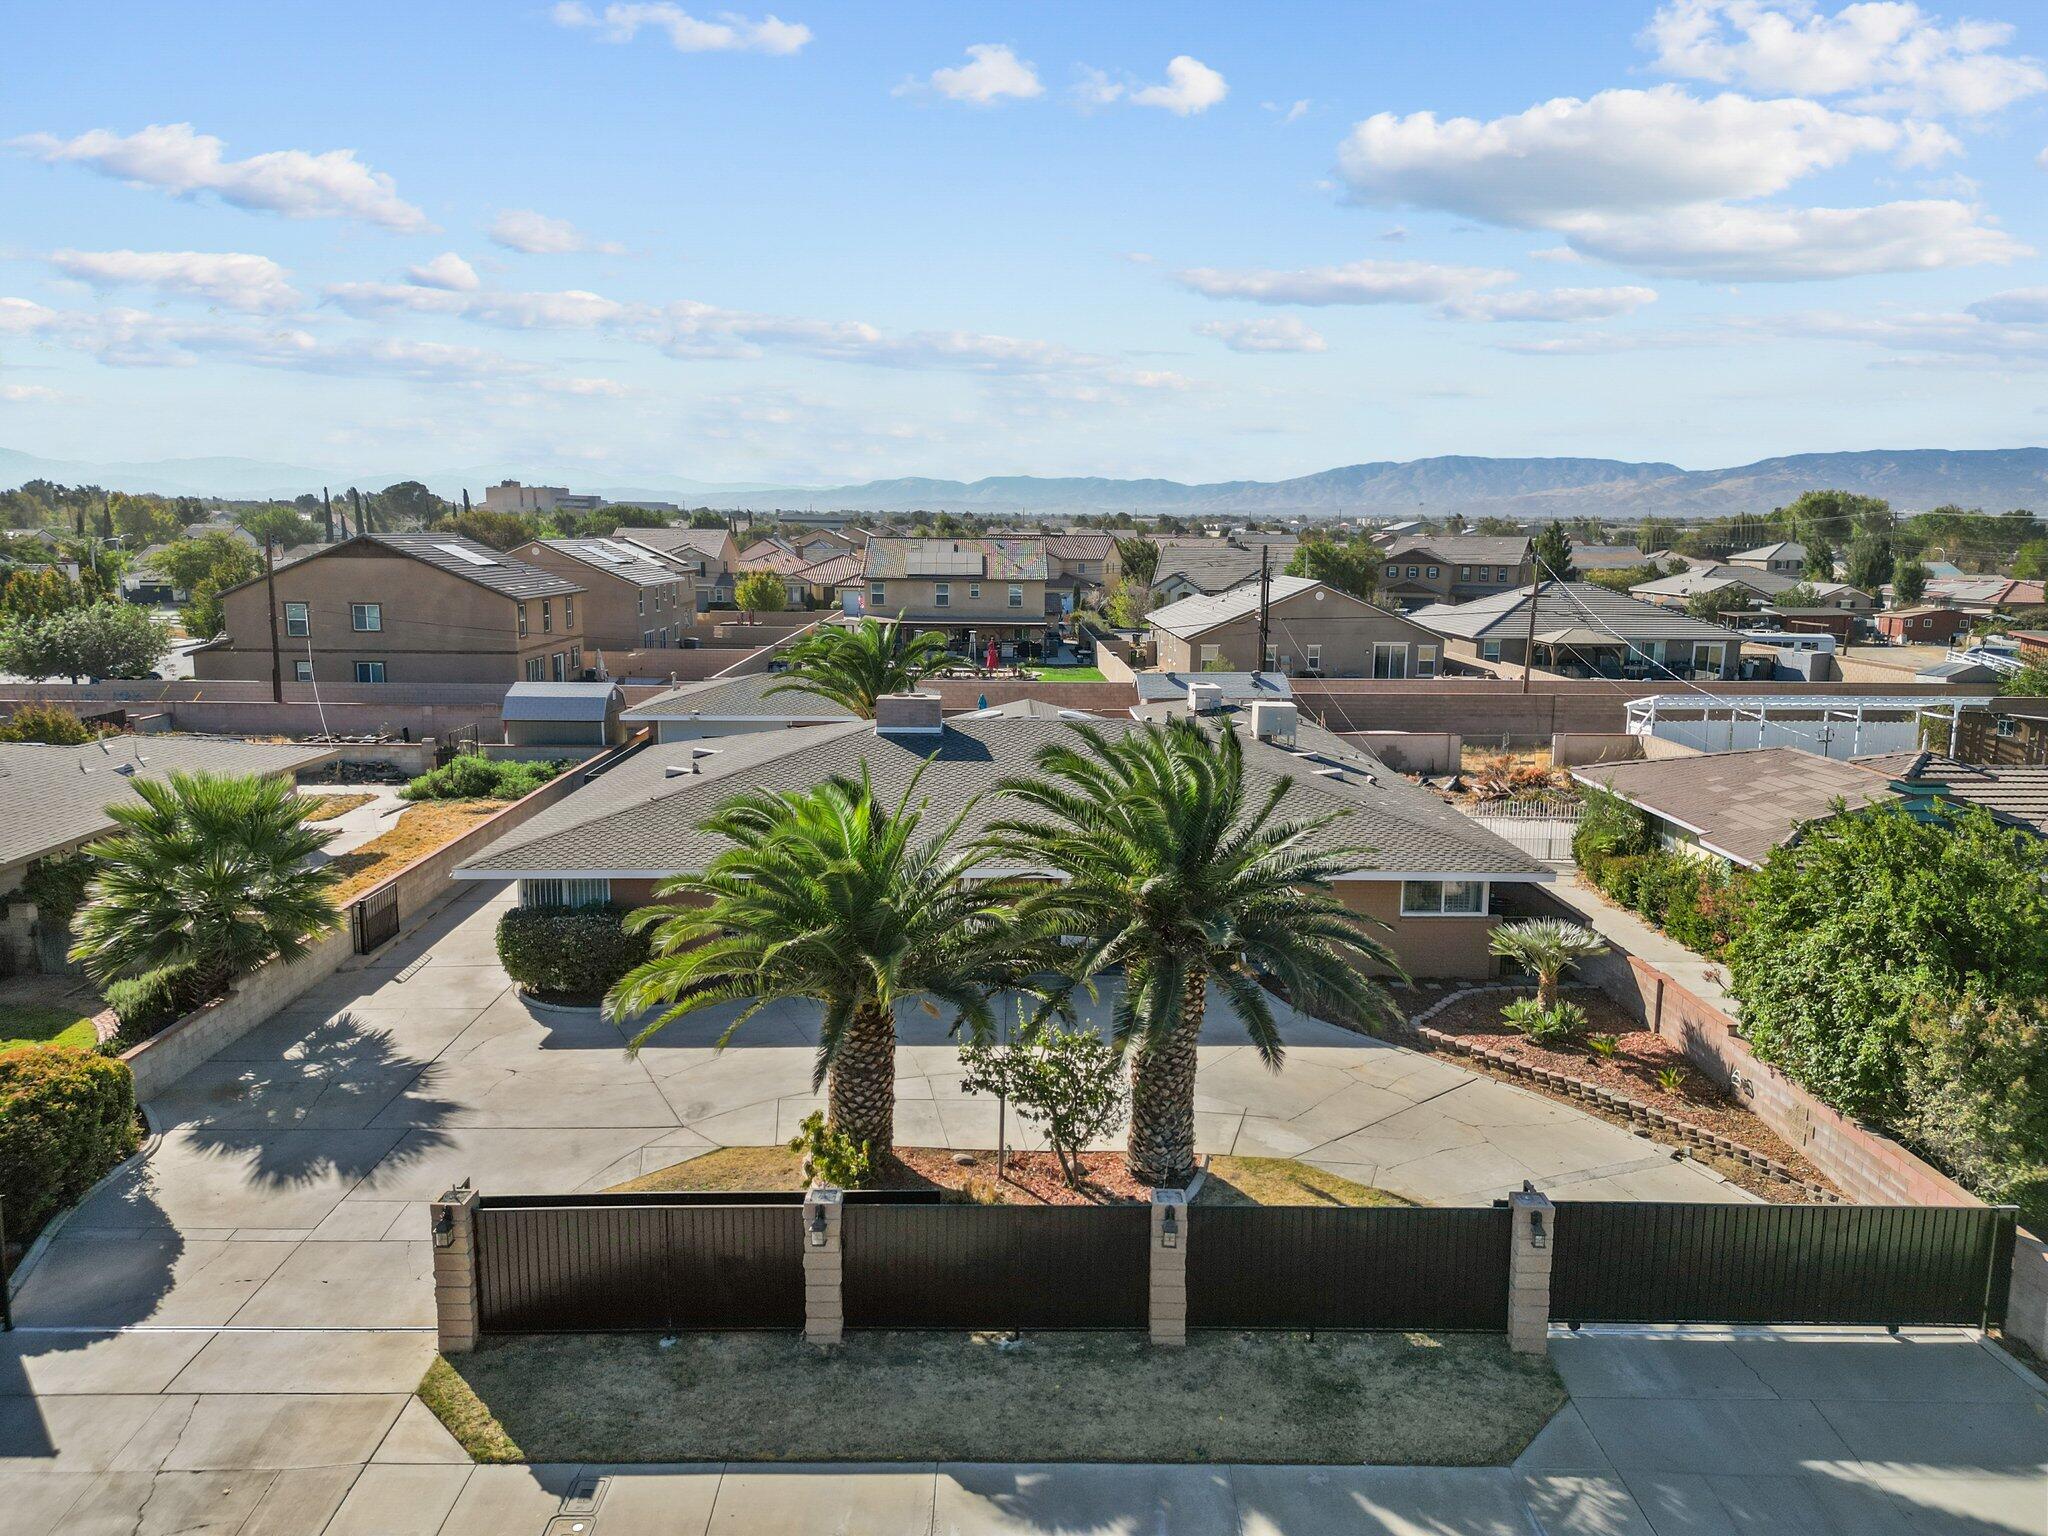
(710, 555)
(403, 608)
(511, 496)
(972, 591)
(632, 600)
(1453, 568)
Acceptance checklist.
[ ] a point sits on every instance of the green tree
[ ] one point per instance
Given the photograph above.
(217, 557)
(760, 592)
(1850, 929)
(39, 592)
(1546, 947)
(2030, 681)
(826, 895)
(1552, 550)
(1139, 559)
(1870, 562)
(494, 530)
(1909, 583)
(1977, 1094)
(854, 667)
(51, 724)
(103, 640)
(208, 874)
(408, 504)
(1716, 601)
(1820, 559)
(2030, 560)
(1352, 567)
(279, 523)
(1069, 1083)
(144, 519)
(1171, 866)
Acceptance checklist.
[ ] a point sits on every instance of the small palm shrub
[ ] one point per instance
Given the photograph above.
(569, 954)
(1546, 947)
(1559, 1024)
(66, 1117)
(830, 1156)
(1603, 1046)
(1671, 1080)
(472, 777)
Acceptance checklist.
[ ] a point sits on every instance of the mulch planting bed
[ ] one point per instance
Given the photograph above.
(1631, 1074)
(1029, 1178)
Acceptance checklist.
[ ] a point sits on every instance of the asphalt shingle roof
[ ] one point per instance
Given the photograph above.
(639, 819)
(1197, 615)
(738, 698)
(704, 541)
(616, 559)
(1461, 549)
(1018, 559)
(499, 572)
(1212, 567)
(1564, 605)
(56, 797)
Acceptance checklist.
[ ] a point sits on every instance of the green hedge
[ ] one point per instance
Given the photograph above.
(472, 777)
(1695, 900)
(66, 1117)
(145, 1004)
(568, 954)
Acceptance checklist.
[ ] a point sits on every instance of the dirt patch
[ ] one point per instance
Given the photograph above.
(327, 807)
(1327, 1398)
(418, 832)
(1638, 1070)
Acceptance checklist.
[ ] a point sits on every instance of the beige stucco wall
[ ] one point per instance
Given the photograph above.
(918, 596)
(1345, 628)
(1428, 948)
(610, 606)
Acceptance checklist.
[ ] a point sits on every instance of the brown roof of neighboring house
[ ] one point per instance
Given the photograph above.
(466, 558)
(833, 572)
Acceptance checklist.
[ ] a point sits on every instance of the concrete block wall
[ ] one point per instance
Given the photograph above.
(1167, 1307)
(451, 1225)
(824, 1215)
(1532, 1242)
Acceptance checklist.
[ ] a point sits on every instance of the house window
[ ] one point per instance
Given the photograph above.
(1016, 596)
(1464, 573)
(536, 670)
(1315, 659)
(1707, 658)
(522, 621)
(1443, 898)
(643, 605)
(942, 594)
(1412, 573)
(564, 893)
(974, 590)
(1272, 658)
(302, 671)
(1432, 573)
(1390, 658)
(1425, 661)
(568, 613)
(575, 658)
(1489, 650)
(1081, 567)
(875, 598)
(297, 621)
(547, 617)
(1209, 656)
(558, 667)
(366, 618)
(369, 671)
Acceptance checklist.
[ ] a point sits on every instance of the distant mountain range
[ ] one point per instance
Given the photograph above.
(1911, 479)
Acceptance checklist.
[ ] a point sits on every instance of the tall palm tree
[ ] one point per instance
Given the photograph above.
(1168, 867)
(854, 667)
(829, 896)
(1547, 946)
(208, 871)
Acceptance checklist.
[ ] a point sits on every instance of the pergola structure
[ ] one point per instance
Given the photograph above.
(1830, 725)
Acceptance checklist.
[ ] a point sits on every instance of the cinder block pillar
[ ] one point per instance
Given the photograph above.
(1532, 1242)
(824, 1303)
(453, 1227)
(1169, 1290)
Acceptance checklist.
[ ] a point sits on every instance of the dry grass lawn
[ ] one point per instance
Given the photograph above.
(1331, 1398)
(418, 832)
(327, 807)
(1283, 1181)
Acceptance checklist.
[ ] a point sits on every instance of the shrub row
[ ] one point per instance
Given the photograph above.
(1697, 901)
(66, 1117)
(568, 954)
(473, 777)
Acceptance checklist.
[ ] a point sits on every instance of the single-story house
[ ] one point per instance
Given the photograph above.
(1312, 630)
(1583, 630)
(1786, 558)
(564, 714)
(732, 707)
(1426, 871)
(1925, 624)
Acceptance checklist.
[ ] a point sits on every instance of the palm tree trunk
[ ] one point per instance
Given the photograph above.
(861, 1091)
(1546, 990)
(1161, 1149)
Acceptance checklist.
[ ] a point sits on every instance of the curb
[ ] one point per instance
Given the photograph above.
(151, 1140)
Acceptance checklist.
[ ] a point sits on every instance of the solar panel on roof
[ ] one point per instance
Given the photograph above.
(943, 562)
(467, 556)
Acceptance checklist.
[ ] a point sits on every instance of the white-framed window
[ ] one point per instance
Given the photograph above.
(558, 667)
(564, 893)
(1207, 656)
(1489, 650)
(575, 658)
(298, 619)
(1390, 658)
(875, 596)
(643, 602)
(366, 618)
(1272, 658)
(942, 594)
(522, 621)
(1016, 595)
(568, 613)
(974, 591)
(302, 671)
(1432, 573)
(1464, 573)
(536, 670)
(369, 671)
(1443, 898)
(1708, 658)
(1425, 661)
(1412, 573)
(547, 616)
(1315, 658)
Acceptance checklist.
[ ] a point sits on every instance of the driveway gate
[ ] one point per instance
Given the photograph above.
(374, 919)
(1643, 1262)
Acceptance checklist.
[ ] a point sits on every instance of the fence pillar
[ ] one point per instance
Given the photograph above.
(452, 1219)
(1533, 1233)
(1168, 1306)
(824, 1214)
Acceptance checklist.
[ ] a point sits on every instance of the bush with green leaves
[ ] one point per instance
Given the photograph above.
(51, 724)
(57, 885)
(1559, 1024)
(569, 954)
(831, 1156)
(145, 1004)
(475, 777)
(1069, 1083)
(1849, 932)
(1977, 1095)
(66, 1117)
(1609, 828)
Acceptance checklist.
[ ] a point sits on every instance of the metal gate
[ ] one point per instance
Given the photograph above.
(1310, 1267)
(996, 1266)
(1541, 825)
(1641, 1262)
(615, 1264)
(374, 919)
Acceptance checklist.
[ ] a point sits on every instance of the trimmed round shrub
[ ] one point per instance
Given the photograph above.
(66, 1117)
(568, 954)
(145, 1004)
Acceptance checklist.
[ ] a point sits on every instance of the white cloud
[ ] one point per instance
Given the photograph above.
(446, 270)
(1293, 112)
(294, 182)
(728, 34)
(1271, 333)
(1888, 55)
(2017, 306)
(994, 73)
(1190, 87)
(1552, 304)
(1356, 282)
(1667, 182)
(1975, 338)
(231, 279)
(536, 234)
(23, 394)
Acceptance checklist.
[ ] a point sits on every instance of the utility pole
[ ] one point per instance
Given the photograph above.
(270, 593)
(326, 515)
(1265, 605)
(1529, 645)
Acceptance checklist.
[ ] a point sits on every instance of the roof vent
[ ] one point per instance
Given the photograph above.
(697, 754)
(1273, 721)
(909, 714)
(1205, 698)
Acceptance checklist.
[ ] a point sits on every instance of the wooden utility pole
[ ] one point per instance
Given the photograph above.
(1265, 606)
(1529, 645)
(270, 592)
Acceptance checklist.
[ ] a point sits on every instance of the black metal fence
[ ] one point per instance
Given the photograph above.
(1309, 1267)
(996, 1266)
(1640, 1262)
(374, 919)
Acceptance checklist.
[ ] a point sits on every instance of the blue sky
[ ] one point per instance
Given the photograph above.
(838, 241)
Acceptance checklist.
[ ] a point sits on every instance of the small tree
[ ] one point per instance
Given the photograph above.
(105, 640)
(1552, 551)
(1548, 946)
(1069, 1083)
(1909, 583)
(760, 592)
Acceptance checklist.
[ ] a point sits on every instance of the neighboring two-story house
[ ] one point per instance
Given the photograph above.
(1785, 559)
(1453, 568)
(632, 600)
(710, 555)
(973, 591)
(1080, 569)
(403, 608)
